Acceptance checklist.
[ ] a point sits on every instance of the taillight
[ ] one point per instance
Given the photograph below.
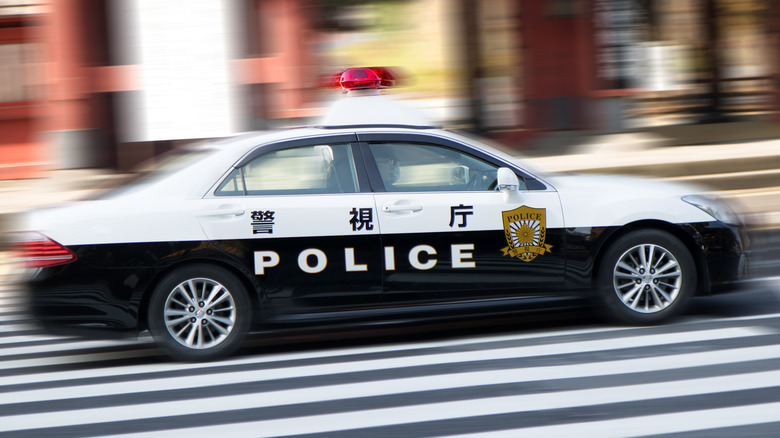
(35, 250)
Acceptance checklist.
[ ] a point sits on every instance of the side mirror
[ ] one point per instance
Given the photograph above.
(507, 180)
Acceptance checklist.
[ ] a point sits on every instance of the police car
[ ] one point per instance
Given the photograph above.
(373, 215)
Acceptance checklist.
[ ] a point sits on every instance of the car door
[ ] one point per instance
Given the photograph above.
(448, 234)
(301, 220)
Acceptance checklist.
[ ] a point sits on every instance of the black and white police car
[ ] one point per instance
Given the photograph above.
(357, 221)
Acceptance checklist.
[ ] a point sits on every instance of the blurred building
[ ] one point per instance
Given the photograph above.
(100, 83)
(96, 83)
(613, 65)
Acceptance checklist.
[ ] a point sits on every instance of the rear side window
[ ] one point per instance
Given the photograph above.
(300, 170)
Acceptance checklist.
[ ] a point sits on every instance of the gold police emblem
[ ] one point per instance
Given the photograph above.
(525, 230)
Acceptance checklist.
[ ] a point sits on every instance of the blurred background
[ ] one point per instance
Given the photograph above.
(107, 84)
(99, 84)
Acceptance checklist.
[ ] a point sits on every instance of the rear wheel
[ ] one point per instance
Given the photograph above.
(199, 312)
(646, 277)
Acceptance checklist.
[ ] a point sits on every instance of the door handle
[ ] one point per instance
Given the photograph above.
(224, 210)
(402, 208)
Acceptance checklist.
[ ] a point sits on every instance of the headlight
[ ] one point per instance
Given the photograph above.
(714, 207)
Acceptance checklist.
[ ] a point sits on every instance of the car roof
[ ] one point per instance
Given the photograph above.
(240, 144)
(361, 109)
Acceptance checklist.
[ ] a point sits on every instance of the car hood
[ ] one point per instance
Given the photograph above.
(610, 200)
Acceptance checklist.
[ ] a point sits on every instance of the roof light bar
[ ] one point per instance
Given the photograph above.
(364, 78)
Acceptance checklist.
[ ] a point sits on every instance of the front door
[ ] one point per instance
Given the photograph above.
(448, 234)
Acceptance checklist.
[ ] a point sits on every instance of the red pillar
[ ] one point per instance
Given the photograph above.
(21, 154)
(558, 63)
(282, 60)
(68, 124)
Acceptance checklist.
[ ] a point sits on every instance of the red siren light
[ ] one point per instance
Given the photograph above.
(362, 78)
(387, 78)
(359, 79)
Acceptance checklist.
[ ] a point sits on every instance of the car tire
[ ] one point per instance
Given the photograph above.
(645, 277)
(199, 313)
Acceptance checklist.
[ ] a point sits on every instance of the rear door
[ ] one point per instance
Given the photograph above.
(301, 220)
(448, 234)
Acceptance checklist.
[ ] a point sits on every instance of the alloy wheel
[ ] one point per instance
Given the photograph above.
(200, 313)
(647, 278)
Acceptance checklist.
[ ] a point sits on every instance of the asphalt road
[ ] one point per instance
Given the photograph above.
(713, 373)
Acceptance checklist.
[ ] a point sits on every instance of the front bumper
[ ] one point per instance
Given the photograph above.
(725, 257)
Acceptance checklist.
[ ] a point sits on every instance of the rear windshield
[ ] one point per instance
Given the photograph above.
(152, 171)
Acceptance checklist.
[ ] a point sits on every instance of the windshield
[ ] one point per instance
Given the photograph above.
(514, 156)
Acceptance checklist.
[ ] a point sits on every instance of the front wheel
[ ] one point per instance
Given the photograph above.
(646, 277)
(199, 313)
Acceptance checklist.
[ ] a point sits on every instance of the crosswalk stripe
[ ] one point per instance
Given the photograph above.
(398, 385)
(408, 414)
(764, 316)
(270, 358)
(75, 359)
(433, 359)
(514, 375)
(73, 345)
(11, 317)
(10, 340)
(12, 328)
(689, 421)
(473, 408)
(11, 303)
(611, 344)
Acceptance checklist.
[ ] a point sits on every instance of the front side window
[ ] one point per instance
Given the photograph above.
(411, 167)
(299, 170)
